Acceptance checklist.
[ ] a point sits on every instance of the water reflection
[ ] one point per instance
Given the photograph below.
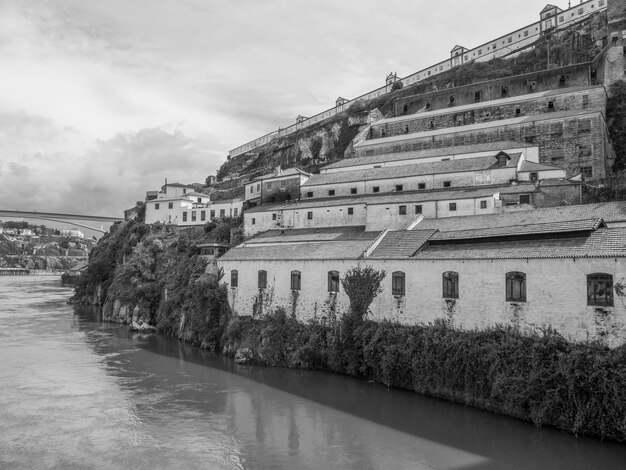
(79, 393)
(310, 415)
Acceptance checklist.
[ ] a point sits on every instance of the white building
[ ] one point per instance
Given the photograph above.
(560, 267)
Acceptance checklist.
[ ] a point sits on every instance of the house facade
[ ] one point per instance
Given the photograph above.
(561, 267)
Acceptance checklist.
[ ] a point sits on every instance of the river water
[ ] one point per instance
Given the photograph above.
(78, 393)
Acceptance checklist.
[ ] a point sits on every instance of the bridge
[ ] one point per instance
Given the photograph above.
(61, 218)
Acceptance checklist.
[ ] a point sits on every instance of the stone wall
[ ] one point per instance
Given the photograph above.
(518, 85)
(592, 98)
(574, 142)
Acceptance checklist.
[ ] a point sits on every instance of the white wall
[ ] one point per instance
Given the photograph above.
(556, 292)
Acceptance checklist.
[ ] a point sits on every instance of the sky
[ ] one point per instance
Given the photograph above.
(100, 101)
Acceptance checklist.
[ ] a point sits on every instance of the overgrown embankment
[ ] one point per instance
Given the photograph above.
(156, 275)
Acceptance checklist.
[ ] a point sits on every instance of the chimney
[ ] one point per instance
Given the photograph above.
(277, 170)
(166, 181)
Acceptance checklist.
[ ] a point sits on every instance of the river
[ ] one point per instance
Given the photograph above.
(78, 393)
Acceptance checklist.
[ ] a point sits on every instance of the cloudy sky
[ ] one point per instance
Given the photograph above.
(100, 100)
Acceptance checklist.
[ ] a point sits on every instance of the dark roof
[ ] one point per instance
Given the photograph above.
(439, 152)
(603, 243)
(519, 230)
(401, 244)
(414, 169)
(355, 232)
(608, 211)
(321, 250)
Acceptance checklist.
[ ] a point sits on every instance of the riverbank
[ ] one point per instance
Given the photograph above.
(155, 274)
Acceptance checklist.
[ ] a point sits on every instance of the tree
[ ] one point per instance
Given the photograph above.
(362, 284)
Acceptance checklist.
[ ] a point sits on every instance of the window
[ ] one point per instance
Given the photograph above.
(382, 132)
(282, 184)
(399, 187)
(515, 287)
(376, 189)
(170, 205)
(509, 39)
(273, 215)
(258, 186)
(402, 210)
(369, 153)
(253, 221)
(580, 11)
(561, 18)
(199, 200)
(203, 215)
(262, 277)
(268, 185)
(585, 101)
(296, 280)
(586, 171)
(584, 150)
(251, 189)
(350, 210)
(333, 281)
(451, 100)
(184, 191)
(452, 206)
(450, 285)
(524, 199)
(193, 216)
(421, 185)
(534, 176)
(353, 190)
(447, 184)
(222, 213)
(526, 33)
(184, 216)
(156, 206)
(483, 204)
(309, 194)
(550, 104)
(477, 96)
(518, 111)
(397, 283)
(600, 290)
(331, 192)
(309, 215)
(234, 278)
(584, 125)
(418, 209)
(504, 91)
(212, 214)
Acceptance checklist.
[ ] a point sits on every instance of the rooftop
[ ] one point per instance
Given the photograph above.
(494, 147)
(603, 243)
(414, 169)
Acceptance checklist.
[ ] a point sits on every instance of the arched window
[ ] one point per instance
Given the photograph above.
(333, 281)
(234, 278)
(397, 283)
(262, 279)
(450, 285)
(515, 287)
(600, 290)
(296, 280)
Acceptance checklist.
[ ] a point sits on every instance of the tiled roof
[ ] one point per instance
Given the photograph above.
(532, 166)
(401, 244)
(477, 126)
(327, 250)
(520, 230)
(356, 232)
(487, 104)
(440, 152)
(603, 243)
(415, 169)
(608, 211)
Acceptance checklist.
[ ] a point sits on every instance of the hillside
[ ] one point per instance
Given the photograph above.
(329, 140)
